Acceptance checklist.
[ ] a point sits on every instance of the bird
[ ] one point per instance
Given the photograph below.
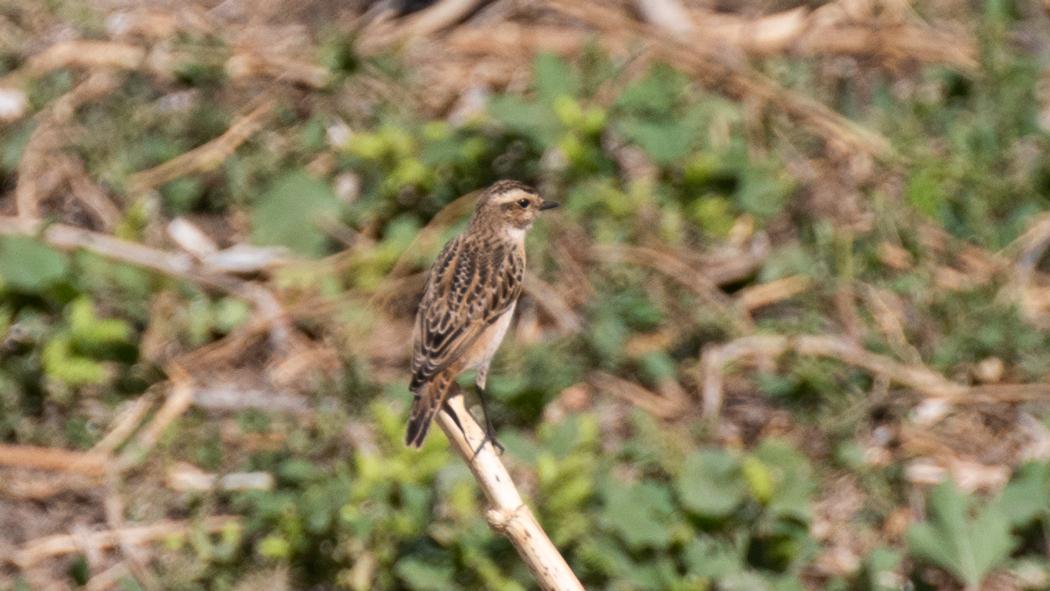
(469, 300)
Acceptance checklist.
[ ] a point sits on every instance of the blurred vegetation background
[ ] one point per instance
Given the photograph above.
(790, 330)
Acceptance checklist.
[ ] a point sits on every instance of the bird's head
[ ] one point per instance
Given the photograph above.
(512, 206)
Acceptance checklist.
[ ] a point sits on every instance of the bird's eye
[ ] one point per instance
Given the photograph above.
(524, 203)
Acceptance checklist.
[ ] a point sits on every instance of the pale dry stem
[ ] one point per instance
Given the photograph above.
(382, 32)
(673, 267)
(668, 408)
(765, 294)
(209, 156)
(704, 60)
(715, 359)
(124, 425)
(49, 458)
(178, 401)
(137, 562)
(39, 549)
(37, 174)
(507, 513)
(179, 265)
(668, 15)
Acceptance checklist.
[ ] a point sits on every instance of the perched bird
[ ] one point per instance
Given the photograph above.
(469, 300)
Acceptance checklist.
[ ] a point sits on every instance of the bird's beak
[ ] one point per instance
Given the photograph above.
(548, 205)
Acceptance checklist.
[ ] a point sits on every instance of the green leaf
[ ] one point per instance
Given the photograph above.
(423, 575)
(182, 194)
(289, 211)
(763, 192)
(639, 513)
(1027, 496)
(924, 192)
(29, 265)
(744, 581)
(883, 569)
(663, 141)
(655, 94)
(714, 214)
(965, 540)
(554, 78)
(712, 558)
(274, 546)
(711, 484)
(658, 366)
(792, 476)
(533, 120)
(90, 332)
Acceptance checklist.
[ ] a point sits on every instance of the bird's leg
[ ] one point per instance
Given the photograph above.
(445, 406)
(490, 431)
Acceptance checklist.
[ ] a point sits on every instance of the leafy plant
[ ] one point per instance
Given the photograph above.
(964, 538)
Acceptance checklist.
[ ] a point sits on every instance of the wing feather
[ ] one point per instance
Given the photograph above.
(471, 285)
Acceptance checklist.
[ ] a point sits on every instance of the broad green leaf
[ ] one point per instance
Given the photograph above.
(424, 575)
(744, 581)
(29, 265)
(531, 119)
(60, 363)
(639, 513)
(90, 332)
(966, 541)
(712, 558)
(763, 192)
(658, 366)
(663, 141)
(711, 484)
(289, 211)
(792, 477)
(785, 583)
(883, 566)
(655, 94)
(554, 78)
(1027, 496)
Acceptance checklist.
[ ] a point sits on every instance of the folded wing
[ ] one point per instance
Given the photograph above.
(470, 286)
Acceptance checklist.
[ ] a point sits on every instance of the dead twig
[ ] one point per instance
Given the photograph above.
(765, 294)
(507, 513)
(39, 484)
(113, 505)
(208, 156)
(707, 62)
(436, 18)
(124, 425)
(551, 302)
(86, 54)
(656, 405)
(668, 15)
(673, 267)
(244, 65)
(179, 399)
(37, 175)
(39, 549)
(714, 360)
(889, 319)
(179, 265)
(91, 195)
(107, 579)
(49, 458)
(185, 477)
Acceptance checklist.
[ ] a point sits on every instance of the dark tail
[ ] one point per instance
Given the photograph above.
(425, 406)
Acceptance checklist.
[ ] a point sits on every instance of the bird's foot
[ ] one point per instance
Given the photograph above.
(490, 437)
